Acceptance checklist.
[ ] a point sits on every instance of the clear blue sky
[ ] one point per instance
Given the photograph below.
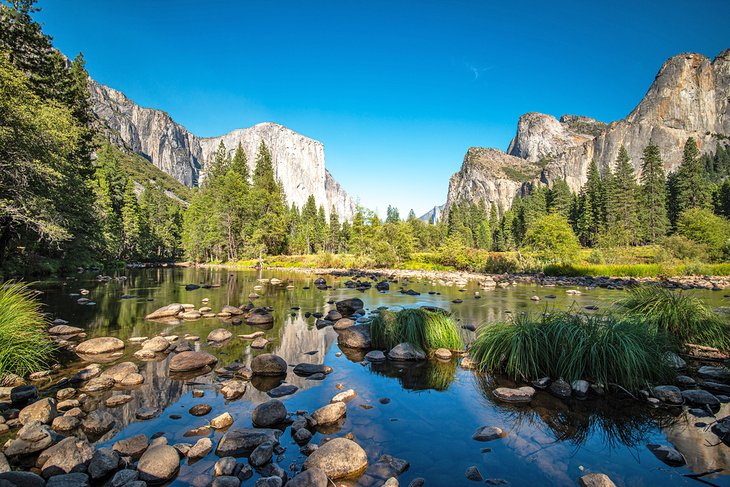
(397, 91)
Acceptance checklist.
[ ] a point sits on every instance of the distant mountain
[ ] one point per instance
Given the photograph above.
(433, 215)
(690, 97)
(153, 134)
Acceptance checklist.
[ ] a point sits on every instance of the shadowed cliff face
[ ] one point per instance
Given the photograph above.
(688, 98)
(298, 160)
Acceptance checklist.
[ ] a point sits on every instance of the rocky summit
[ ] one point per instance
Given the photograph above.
(688, 98)
(298, 160)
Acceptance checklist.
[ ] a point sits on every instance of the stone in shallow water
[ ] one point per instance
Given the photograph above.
(375, 356)
(667, 454)
(668, 394)
(146, 413)
(283, 390)
(200, 409)
(520, 395)
(596, 480)
(219, 335)
(721, 374)
(201, 448)
(104, 461)
(268, 414)
(268, 364)
(158, 464)
(120, 371)
(406, 351)
(561, 389)
(97, 423)
(345, 396)
(305, 369)
(222, 421)
(312, 477)
(76, 479)
(189, 361)
(700, 397)
(331, 413)
(338, 458)
(237, 442)
(488, 433)
(134, 446)
(99, 346)
(473, 473)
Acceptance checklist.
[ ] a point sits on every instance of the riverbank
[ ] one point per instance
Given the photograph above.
(492, 281)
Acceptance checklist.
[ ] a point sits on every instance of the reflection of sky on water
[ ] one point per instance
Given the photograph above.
(434, 408)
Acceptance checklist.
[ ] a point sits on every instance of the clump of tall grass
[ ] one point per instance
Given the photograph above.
(427, 330)
(677, 313)
(24, 345)
(601, 348)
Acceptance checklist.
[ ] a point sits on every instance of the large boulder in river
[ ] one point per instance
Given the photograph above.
(168, 311)
(99, 345)
(68, 455)
(24, 479)
(237, 442)
(219, 335)
(42, 411)
(331, 413)
(231, 310)
(268, 364)
(270, 413)
(721, 374)
(313, 477)
(121, 371)
(259, 317)
(188, 361)
(348, 307)
(354, 337)
(158, 464)
(31, 438)
(406, 351)
(338, 458)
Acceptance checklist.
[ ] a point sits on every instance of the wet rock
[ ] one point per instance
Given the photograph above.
(331, 413)
(467, 363)
(156, 345)
(357, 337)
(158, 464)
(134, 446)
(231, 310)
(699, 397)
(268, 364)
(98, 384)
(443, 354)
(222, 421)
(121, 370)
(375, 356)
(97, 423)
(22, 395)
(270, 413)
(189, 361)
(166, 312)
(117, 400)
(201, 448)
(259, 343)
(685, 381)
(103, 462)
(226, 481)
(675, 360)
(43, 411)
(124, 478)
(219, 335)
(386, 468)
(348, 307)
(191, 315)
(304, 369)
(488, 433)
(132, 380)
(417, 482)
(21, 479)
(272, 481)
(146, 413)
(31, 438)
(252, 336)
(76, 479)
(225, 466)
(261, 455)
(343, 324)
(237, 442)
(88, 372)
(595, 480)
(233, 389)
(580, 388)
(406, 351)
(668, 455)
(668, 394)
(259, 317)
(65, 330)
(345, 396)
(312, 477)
(722, 429)
(721, 374)
(99, 345)
(283, 390)
(520, 395)
(472, 473)
(65, 393)
(200, 409)
(561, 389)
(338, 458)
(67, 456)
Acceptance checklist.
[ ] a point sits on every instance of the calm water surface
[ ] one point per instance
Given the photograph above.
(434, 408)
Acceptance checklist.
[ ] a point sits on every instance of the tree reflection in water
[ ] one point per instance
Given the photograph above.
(616, 421)
(420, 375)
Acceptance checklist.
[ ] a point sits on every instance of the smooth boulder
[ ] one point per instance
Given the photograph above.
(96, 346)
(159, 464)
(268, 364)
(338, 458)
(189, 361)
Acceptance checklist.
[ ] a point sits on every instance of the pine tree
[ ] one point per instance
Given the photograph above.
(689, 187)
(239, 164)
(621, 202)
(392, 215)
(132, 224)
(218, 166)
(560, 198)
(334, 231)
(654, 222)
(590, 210)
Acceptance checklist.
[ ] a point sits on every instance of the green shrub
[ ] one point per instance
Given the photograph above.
(682, 248)
(427, 330)
(705, 228)
(678, 313)
(552, 239)
(600, 348)
(24, 344)
(596, 257)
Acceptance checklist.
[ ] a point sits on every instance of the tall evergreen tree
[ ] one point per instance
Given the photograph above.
(621, 202)
(653, 217)
(690, 186)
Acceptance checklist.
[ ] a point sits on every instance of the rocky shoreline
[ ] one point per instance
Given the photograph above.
(487, 281)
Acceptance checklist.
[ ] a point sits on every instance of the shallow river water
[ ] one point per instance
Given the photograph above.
(433, 408)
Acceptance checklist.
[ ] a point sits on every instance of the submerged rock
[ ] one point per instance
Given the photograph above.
(268, 364)
(237, 442)
(668, 455)
(406, 351)
(348, 307)
(166, 312)
(596, 480)
(331, 413)
(101, 345)
(189, 361)
(520, 395)
(269, 414)
(488, 433)
(357, 337)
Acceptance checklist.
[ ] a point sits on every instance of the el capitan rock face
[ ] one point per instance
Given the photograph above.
(688, 98)
(298, 160)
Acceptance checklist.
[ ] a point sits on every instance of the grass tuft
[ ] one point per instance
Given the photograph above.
(600, 348)
(678, 313)
(427, 330)
(24, 344)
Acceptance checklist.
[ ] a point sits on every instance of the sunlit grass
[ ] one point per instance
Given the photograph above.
(24, 344)
(601, 348)
(424, 329)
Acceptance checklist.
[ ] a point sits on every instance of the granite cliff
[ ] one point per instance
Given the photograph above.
(690, 97)
(298, 160)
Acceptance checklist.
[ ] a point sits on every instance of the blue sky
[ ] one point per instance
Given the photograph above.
(397, 91)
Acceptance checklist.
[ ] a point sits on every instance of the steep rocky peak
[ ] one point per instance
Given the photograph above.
(541, 136)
